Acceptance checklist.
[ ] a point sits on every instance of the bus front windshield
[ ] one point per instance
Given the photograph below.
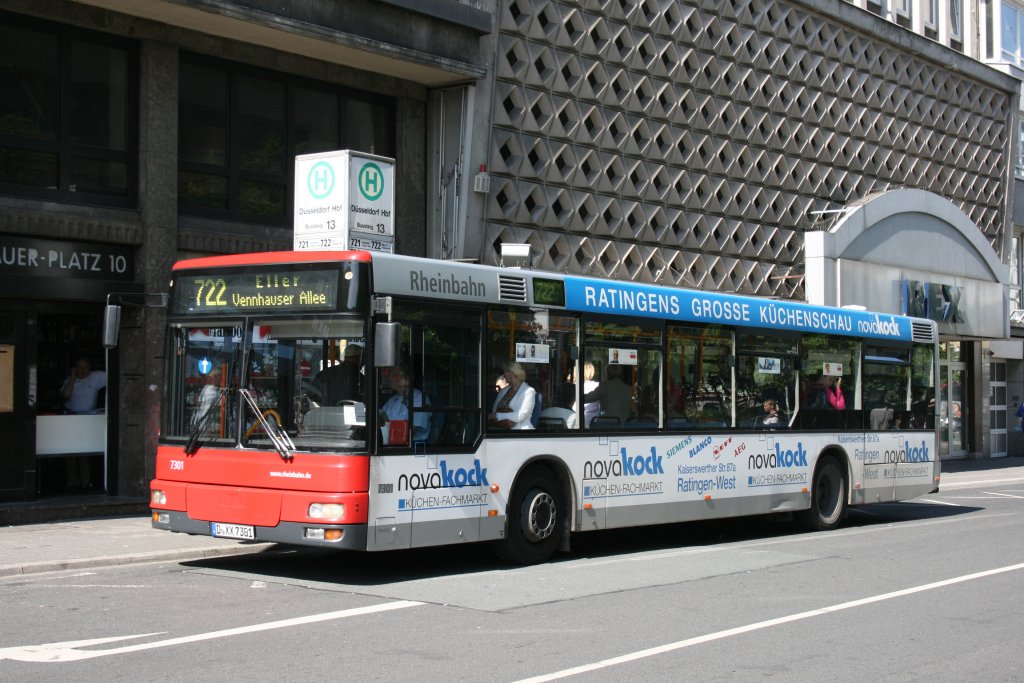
(305, 379)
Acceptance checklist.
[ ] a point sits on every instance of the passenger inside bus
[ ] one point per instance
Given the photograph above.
(593, 408)
(343, 381)
(615, 397)
(514, 406)
(772, 418)
(825, 392)
(395, 409)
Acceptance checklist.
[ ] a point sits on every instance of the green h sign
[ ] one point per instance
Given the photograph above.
(371, 181)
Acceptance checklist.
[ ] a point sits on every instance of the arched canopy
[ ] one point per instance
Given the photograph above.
(889, 245)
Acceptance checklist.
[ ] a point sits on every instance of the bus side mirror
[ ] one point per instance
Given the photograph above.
(111, 325)
(386, 340)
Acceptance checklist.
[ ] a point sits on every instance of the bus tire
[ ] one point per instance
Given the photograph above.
(534, 523)
(828, 496)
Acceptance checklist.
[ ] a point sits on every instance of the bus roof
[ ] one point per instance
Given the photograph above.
(451, 280)
(469, 282)
(271, 258)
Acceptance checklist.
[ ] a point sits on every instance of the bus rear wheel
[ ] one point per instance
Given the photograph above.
(534, 526)
(828, 496)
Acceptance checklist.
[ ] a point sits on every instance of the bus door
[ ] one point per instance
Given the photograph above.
(430, 419)
(880, 448)
(884, 399)
(425, 499)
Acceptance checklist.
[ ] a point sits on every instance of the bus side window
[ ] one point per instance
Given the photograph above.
(451, 384)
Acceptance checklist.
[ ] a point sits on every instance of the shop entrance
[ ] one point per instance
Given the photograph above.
(70, 436)
(952, 409)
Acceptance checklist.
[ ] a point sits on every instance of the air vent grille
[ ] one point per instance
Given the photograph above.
(512, 288)
(923, 332)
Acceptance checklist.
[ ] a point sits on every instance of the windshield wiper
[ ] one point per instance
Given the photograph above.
(275, 432)
(203, 422)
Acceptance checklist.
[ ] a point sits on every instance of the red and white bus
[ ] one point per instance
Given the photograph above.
(351, 400)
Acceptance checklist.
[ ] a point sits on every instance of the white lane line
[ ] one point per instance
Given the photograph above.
(68, 652)
(978, 483)
(939, 502)
(1004, 495)
(728, 633)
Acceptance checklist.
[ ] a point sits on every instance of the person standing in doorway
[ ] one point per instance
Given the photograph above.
(81, 396)
(82, 387)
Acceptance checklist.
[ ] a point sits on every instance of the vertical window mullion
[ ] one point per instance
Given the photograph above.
(63, 113)
(232, 151)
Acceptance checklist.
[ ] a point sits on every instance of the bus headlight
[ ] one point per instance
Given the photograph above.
(157, 497)
(326, 511)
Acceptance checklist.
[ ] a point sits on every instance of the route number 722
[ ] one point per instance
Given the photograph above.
(213, 290)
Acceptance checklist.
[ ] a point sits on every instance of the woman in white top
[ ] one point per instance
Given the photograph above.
(513, 407)
(590, 410)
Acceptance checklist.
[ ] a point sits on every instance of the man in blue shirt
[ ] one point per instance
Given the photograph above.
(397, 407)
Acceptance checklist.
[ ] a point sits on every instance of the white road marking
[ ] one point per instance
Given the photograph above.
(740, 630)
(1004, 495)
(976, 483)
(69, 652)
(936, 502)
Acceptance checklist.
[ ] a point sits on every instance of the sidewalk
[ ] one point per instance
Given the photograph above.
(127, 538)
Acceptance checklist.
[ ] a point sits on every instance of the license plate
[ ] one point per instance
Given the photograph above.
(240, 531)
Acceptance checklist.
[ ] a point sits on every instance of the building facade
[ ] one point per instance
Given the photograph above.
(817, 151)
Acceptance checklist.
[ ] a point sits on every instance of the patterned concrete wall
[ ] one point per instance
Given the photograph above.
(689, 143)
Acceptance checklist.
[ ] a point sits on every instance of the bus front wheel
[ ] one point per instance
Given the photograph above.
(534, 526)
(828, 496)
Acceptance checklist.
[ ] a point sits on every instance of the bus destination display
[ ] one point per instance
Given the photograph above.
(265, 291)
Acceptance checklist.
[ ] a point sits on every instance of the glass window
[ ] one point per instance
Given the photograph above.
(626, 389)
(765, 380)
(239, 130)
(885, 396)
(307, 377)
(1015, 275)
(886, 388)
(922, 388)
(956, 20)
(98, 87)
(433, 395)
(202, 400)
(829, 369)
(66, 115)
(699, 376)
(451, 381)
(530, 362)
(1019, 166)
(1010, 34)
(365, 126)
(260, 124)
(203, 112)
(316, 120)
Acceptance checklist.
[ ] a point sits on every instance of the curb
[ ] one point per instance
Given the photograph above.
(183, 555)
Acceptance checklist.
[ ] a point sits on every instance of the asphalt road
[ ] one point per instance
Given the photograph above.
(928, 590)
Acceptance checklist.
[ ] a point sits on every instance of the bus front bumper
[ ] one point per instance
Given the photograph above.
(351, 537)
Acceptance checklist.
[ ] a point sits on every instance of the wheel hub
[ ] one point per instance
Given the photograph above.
(540, 516)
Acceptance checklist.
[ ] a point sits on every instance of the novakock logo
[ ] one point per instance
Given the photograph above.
(625, 466)
(445, 479)
(780, 458)
(909, 454)
(888, 327)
